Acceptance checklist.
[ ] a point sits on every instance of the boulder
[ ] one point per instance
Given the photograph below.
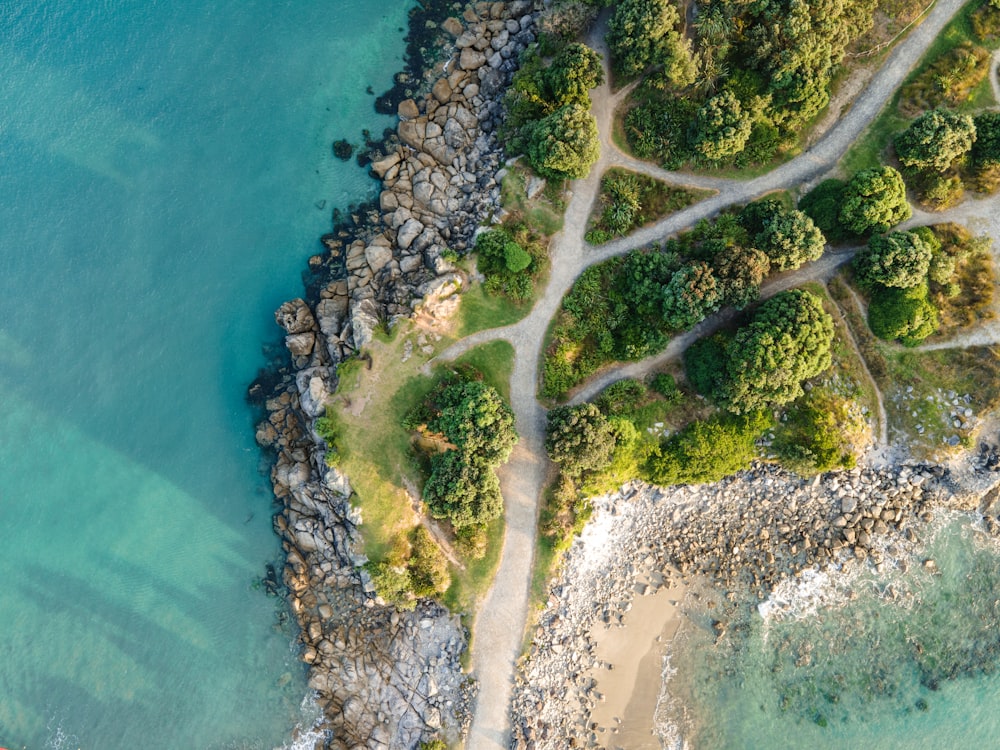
(313, 391)
(382, 166)
(295, 317)
(378, 256)
(300, 344)
(408, 110)
(442, 91)
(453, 26)
(471, 59)
(408, 232)
(364, 321)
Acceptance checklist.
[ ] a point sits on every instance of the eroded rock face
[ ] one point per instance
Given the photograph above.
(387, 679)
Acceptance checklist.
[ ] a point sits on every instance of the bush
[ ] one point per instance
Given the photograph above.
(822, 204)
(642, 33)
(427, 566)
(874, 200)
(897, 259)
(939, 192)
(722, 127)
(789, 238)
(704, 364)
(904, 314)
(664, 384)
(472, 541)
(787, 342)
(508, 266)
(621, 397)
(392, 583)
(820, 432)
(707, 451)
(579, 439)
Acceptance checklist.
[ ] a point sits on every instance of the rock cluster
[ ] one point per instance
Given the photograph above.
(386, 679)
(754, 529)
(438, 184)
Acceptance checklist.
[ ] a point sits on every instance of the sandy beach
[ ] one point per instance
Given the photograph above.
(635, 650)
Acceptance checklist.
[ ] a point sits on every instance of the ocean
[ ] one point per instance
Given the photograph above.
(166, 172)
(904, 658)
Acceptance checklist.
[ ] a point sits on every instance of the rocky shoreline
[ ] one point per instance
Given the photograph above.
(754, 530)
(385, 679)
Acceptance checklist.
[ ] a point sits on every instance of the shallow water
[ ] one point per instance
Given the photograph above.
(166, 172)
(890, 660)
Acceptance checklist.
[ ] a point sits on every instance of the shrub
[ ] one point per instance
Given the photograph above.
(740, 272)
(392, 583)
(822, 204)
(664, 384)
(579, 439)
(707, 451)
(690, 295)
(874, 200)
(704, 363)
(897, 259)
(427, 566)
(641, 33)
(621, 397)
(472, 541)
(508, 267)
(787, 342)
(820, 432)
(904, 314)
(790, 238)
(939, 192)
(722, 127)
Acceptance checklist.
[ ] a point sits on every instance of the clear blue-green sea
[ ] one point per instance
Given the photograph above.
(165, 172)
(906, 658)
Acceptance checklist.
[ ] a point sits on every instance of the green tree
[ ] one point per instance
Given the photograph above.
(740, 272)
(573, 73)
(722, 127)
(874, 201)
(790, 238)
(986, 149)
(898, 259)
(690, 295)
(707, 451)
(564, 143)
(906, 314)
(787, 342)
(462, 490)
(642, 33)
(579, 439)
(936, 140)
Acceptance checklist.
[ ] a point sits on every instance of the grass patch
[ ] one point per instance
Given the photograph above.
(974, 282)
(869, 150)
(375, 449)
(629, 200)
(870, 347)
(479, 311)
(932, 389)
(542, 213)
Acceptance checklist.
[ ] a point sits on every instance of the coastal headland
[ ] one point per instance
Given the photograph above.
(391, 679)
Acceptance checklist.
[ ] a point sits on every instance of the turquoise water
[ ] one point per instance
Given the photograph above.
(163, 164)
(881, 660)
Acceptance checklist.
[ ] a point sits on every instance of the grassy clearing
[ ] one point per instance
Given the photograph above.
(542, 213)
(847, 376)
(653, 200)
(376, 451)
(926, 407)
(870, 347)
(479, 311)
(922, 83)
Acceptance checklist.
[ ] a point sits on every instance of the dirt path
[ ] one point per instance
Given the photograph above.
(502, 616)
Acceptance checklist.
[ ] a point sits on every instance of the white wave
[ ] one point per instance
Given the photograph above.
(667, 708)
(804, 595)
(59, 738)
(309, 731)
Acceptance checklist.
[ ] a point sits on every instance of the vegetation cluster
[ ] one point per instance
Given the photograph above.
(626, 308)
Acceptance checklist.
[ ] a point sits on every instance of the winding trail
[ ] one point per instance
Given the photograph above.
(502, 617)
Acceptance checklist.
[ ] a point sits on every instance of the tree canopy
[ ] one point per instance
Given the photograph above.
(691, 294)
(790, 238)
(898, 259)
(642, 33)
(787, 342)
(579, 439)
(564, 143)
(935, 140)
(722, 127)
(874, 200)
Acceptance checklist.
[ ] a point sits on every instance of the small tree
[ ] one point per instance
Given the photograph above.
(874, 201)
(690, 295)
(722, 127)
(573, 73)
(642, 33)
(898, 259)
(579, 439)
(564, 143)
(740, 272)
(790, 238)
(787, 342)
(935, 140)
(986, 149)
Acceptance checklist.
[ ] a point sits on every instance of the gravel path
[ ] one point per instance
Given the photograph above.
(500, 624)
